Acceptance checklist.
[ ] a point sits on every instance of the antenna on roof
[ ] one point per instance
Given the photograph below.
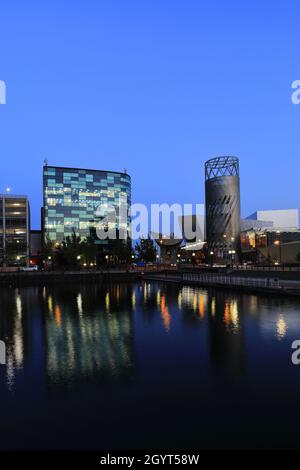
(46, 162)
(125, 171)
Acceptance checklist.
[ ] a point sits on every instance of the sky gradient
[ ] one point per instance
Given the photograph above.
(156, 87)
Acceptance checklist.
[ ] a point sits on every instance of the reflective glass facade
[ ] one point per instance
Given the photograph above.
(72, 197)
(14, 229)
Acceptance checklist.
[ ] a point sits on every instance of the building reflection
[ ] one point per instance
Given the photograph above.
(193, 303)
(165, 314)
(226, 335)
(219, 314)
(89, 334)
(20, 328)
(281, 327)
(68, 333)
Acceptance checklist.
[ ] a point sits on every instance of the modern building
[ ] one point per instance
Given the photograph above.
(248, 224)
(35, 247)
(222, 201)
(14, 230)
(72, 198)
(271, 246)
(288, 218)
(169, 248)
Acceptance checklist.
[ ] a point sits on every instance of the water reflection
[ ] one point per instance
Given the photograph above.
(77, 332)
(195, 300)
(231, 316)
(100, 361)
(88, 333)
(281, 326)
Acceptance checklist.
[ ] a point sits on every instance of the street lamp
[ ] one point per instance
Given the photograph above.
(277, 243)
(232, 253)
(211, 258)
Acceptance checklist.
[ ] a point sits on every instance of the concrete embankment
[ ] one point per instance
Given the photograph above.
(234, 280)
(52, 277)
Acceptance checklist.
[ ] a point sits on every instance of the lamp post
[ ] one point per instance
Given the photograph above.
(211, 258)
(277, 243)
(232, 253)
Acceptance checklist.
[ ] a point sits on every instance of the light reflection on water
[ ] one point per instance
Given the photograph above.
(88, 334)
(124, 335)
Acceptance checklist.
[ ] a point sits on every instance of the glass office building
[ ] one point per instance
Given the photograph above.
(72, 198)
(14, 230)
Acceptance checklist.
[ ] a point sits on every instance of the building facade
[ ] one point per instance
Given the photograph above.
(72, 198)
(35, 247)
(287, 218)
(14, 230)
(271, 246)
(222, 204)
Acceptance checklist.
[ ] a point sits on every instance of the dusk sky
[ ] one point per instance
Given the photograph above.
(156, 87)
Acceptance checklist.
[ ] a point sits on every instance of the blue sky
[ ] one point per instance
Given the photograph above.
(156, 87)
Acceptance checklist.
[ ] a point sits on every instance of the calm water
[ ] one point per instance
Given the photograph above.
(147, 366)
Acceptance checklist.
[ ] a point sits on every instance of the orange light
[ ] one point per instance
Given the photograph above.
(58, 316)
(165, 313)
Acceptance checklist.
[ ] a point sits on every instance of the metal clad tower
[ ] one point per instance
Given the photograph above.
(222, 198)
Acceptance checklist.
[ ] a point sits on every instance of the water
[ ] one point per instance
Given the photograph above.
(152, 366)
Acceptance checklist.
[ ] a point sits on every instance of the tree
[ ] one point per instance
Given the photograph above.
(48, 247)
(146, 250)
(70, 250)
(120, 250)
(89, 249)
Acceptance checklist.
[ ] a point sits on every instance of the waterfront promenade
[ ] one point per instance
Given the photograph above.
(272, 281)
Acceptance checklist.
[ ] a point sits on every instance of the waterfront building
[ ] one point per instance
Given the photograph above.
(271, 245)
(248, 224)
(71, 201)
(35, 247)
(169, 248)
(281, 219)
(14, 230)
(222, 203)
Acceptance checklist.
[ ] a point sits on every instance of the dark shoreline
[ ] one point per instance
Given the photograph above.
(53, 277)
(21, 279)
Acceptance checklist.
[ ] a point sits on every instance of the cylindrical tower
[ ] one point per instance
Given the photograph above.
(223, 208)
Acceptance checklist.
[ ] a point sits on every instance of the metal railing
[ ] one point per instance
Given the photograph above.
(234, 281)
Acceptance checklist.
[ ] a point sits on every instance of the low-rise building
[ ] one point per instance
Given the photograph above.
(14, 230)
(271, 246)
